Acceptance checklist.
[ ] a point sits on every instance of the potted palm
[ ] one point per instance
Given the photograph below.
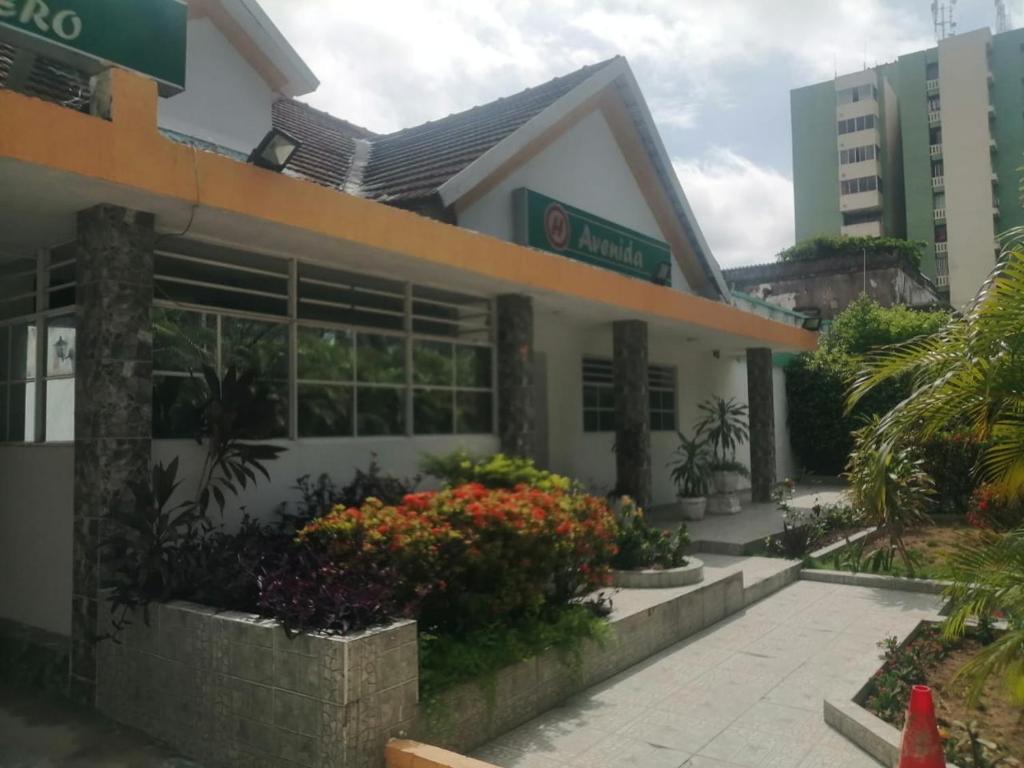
(690, 474)
(724, 422)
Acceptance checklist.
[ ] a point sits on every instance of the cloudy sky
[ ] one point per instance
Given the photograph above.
(716, 73)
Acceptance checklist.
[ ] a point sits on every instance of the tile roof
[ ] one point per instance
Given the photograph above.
(411, 164)
(328, 143)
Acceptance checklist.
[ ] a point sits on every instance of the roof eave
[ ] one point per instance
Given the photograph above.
(258, 27)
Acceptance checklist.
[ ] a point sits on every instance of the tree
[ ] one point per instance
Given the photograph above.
(970, 375)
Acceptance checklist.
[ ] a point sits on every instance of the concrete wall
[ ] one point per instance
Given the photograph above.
(815, 161)
(232, 689)
(583, 167)
(225, 100)
(830, 284)
(36, 509)
(338, 457)
(963, 86)
(588, 456)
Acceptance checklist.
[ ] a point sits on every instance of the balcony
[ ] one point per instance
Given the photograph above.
(935, 150)
(941, 249)
(942, 281)
(995, 208)
(992, 146)
(941, 269)
(938, 182)
(931, 86)
(934, 117)
(939, 214)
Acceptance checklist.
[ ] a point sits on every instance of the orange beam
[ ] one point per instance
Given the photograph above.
(129, 151)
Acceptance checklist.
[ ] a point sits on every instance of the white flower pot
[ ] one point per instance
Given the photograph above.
(693, 508)
(726, 481)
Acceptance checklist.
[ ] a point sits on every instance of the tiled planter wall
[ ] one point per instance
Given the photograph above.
(231, 689)
(471, 714)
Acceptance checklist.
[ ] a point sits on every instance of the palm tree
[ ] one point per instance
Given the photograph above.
(970, 375)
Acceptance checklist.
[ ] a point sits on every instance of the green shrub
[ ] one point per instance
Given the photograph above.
(951, 459)
(497, 471)
(825, 246)
(641, 545)
(821, 431)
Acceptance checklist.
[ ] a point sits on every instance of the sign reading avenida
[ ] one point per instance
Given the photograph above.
(147, 36)
(545, 223)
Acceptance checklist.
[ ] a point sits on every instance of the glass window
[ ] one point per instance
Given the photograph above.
(433, 363)
(662, 381)
(380, 411)
(474, 412)
(380, 359)
(598, 395)
(183, 341)
(325, 354)
(325, 410)
(433, 411)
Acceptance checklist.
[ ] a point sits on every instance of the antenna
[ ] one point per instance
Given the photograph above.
(943, 19)
(1003, 22)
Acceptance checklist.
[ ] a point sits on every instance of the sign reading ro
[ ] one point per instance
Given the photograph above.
(147, 36)
(545, 223)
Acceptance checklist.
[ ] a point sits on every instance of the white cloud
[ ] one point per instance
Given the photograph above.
(396, 63)
(744, 210)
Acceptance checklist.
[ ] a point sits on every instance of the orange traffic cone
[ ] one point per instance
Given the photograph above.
(922, 747)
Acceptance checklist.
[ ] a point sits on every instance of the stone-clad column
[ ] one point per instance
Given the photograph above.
(632, 410)
(113, 404)
(516, 406)
(761, 396)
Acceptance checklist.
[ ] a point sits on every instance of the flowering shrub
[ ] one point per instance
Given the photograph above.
(993, 509)
(469, 556)
(641, 545)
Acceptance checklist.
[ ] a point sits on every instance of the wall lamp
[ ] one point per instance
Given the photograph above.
(275, 151)
(663, 274)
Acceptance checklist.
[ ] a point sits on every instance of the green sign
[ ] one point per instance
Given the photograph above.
(545, 223)
(147, 36)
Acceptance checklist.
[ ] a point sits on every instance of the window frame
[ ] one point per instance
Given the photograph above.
(483, 336)
(43, 275)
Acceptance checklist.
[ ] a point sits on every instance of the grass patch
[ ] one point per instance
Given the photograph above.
(447, 660)
(930, 547)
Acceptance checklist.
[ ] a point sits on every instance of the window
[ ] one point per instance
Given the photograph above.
(662, 384)
(371, 356)
(858, 154)
(862, 184)
(598, 396)
(935, 135)
(937, 169)
(853, 124)
(452, 388)
(37, 385)
(940, 233)
(934, 103)
(861, 217)
(931, 71)
(857, 93)
(939, 200)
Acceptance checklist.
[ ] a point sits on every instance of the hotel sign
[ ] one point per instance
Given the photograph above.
(545, 223)
(147, 36)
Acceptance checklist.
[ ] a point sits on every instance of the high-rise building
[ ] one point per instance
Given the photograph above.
(928, 147)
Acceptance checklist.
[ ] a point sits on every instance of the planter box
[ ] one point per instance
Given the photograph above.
(655, 578)
(471, 714)
(232, 689)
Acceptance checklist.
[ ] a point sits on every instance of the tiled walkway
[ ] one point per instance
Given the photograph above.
(746, 692)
